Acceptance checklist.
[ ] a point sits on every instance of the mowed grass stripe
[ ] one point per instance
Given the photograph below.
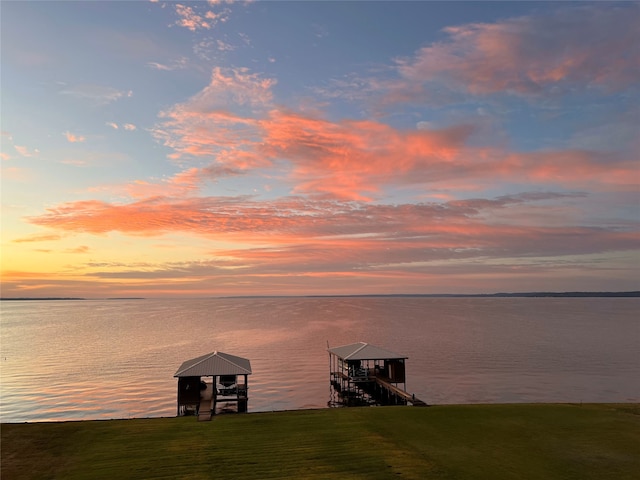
(304, 447)
(471, 441)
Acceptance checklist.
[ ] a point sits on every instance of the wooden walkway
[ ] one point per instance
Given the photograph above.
(416, 402)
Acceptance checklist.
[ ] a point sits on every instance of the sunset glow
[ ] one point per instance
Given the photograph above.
(291, 148)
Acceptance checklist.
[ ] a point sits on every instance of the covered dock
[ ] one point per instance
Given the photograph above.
(208, 380)
(363, 374)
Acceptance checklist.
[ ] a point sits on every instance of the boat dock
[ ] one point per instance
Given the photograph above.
(362, 374)
(199, 397)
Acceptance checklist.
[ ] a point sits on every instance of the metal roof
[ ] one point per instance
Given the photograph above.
(216, 363)
(364, 351)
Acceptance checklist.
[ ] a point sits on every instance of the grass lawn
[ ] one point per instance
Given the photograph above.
(443, 442)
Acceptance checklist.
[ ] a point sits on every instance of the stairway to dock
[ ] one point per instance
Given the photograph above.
(205, 409)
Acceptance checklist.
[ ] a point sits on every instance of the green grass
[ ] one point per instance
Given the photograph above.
(443, 442)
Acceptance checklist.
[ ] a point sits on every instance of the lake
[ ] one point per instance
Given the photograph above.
(100, 359)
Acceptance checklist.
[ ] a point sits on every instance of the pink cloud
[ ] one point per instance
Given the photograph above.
(205, 125)
(74, 138)
(224, 47)
(130, 127)
(356, 160)
(586, 47)
(97, 94)
(234, 125)
(298, 246)
(326, 230)
(189, 19)
(352, 159)
(25, 151)
(185, 183)
(598, 170)
(176, 64)
(346, 159)
(235, 86)
(193, 21)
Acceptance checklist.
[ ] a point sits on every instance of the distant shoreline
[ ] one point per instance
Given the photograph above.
(19, 299)
(521, 294)
(397, 295)
(457, 295)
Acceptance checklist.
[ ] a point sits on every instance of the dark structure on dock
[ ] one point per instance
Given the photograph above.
(362, 374)
(197, 396)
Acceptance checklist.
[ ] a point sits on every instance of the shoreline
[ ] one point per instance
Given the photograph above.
(635, 404)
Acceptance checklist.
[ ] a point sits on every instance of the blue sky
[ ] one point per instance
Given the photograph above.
(222, 148)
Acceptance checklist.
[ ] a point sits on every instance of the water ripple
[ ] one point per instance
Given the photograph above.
(116, 359)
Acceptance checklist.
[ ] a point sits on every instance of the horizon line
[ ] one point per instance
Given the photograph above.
(631, 293)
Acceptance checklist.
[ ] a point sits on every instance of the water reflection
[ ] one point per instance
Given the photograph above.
(116, 359)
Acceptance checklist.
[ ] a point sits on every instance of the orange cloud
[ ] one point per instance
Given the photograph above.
(38, 238)
(80, 249)
(362, 234)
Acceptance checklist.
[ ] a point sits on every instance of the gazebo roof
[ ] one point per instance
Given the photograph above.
(364, 351)
(214, 364)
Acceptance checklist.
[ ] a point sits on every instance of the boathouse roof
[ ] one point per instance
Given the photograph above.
(364, 351)
(214, 364)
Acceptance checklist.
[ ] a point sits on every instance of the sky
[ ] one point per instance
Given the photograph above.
(215, 148)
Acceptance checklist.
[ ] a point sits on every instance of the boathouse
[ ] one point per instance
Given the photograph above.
(363, 374)
(205, 381)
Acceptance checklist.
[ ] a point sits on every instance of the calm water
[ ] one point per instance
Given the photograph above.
(116, 359)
